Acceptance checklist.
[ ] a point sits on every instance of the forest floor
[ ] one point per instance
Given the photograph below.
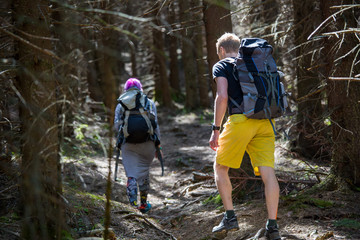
(185, 201)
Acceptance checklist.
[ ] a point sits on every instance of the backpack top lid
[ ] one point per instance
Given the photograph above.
(254, 47)
(129, 98)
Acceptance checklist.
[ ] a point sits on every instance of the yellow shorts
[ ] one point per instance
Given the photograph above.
(240, 133)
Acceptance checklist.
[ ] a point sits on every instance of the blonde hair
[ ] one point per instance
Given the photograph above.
(229, 41)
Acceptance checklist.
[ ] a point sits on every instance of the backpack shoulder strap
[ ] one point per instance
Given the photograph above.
(144, 111)
(249, 63)
(126, 121)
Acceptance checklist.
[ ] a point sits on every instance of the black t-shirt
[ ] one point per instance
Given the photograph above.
(225, 68)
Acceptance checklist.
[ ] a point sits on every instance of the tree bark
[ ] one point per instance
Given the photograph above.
(343, 96)
(203, 83)
(188, 55)
(41, 173)
(216, 24)
(173, 48)
(107, 63)
(310, 110)
(162, 86)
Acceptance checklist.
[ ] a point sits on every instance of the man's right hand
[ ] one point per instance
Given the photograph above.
(213, 142)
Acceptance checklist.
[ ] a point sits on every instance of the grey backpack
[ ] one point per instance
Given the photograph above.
(264, 96)
(138, 118)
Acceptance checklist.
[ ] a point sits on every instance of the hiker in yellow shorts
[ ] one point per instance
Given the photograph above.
(240, 134)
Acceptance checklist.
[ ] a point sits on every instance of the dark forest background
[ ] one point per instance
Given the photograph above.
(63, 63)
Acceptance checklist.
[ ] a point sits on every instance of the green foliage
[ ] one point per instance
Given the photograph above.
(214, 200)
(327, 122)
(298, 202)
(348, 223)
(321, 203)
(80, 130)
(66, 235)
(10, 219)
(206, 116)
(177, 97)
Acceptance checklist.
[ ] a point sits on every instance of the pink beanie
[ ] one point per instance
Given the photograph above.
(132, 82)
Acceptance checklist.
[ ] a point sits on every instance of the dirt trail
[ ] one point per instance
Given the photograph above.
(181, 203)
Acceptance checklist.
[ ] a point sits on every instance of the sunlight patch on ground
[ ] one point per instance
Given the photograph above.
(195, 148)
(188, 118)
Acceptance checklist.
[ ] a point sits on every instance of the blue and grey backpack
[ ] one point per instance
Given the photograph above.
(264, 96)
(138, 118)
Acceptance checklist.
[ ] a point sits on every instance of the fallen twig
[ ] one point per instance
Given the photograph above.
(192, 202)
(279, 180)
(150, 223)
(259, 234)
(192, 187)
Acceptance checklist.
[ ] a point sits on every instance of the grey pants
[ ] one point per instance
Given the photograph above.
(137, 159)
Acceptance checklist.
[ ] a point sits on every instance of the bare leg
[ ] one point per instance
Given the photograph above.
(223, 184)
(272, 190)
(229, 221)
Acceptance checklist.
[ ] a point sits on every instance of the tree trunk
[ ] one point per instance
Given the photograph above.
(41, 174)
(70, 79)
(203, 83)
(343, 96)
(107, 64)
(162, 86)
(173, 48)
(215, 26)
(310, 112)
(188, 55)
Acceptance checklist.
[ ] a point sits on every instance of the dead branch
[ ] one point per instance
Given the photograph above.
(350, 30)
(11, 232)
(280, 180)
(150, 223)
(107, 12)
(330, 17)
(7, 189)
(199, 176)
(344, 78)
(346, 5)
(259, 234)
(44, 51)
(311, 94)
(191, 187)
(310, 182)
(194, 201)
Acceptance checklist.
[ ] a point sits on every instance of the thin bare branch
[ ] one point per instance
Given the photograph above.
(344, 78)
(350, 30)
(42, 50)
(343, 56)
(347, 5)
(102, 11)
(327, 19)
(310, 94)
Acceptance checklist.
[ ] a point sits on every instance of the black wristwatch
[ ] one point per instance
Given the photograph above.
(213, 127)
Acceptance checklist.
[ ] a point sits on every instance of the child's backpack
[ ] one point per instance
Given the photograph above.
(264, 96)
(138, 118)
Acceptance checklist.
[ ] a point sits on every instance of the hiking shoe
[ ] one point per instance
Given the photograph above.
(145, 207)
(272, 233)
(227, 224)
